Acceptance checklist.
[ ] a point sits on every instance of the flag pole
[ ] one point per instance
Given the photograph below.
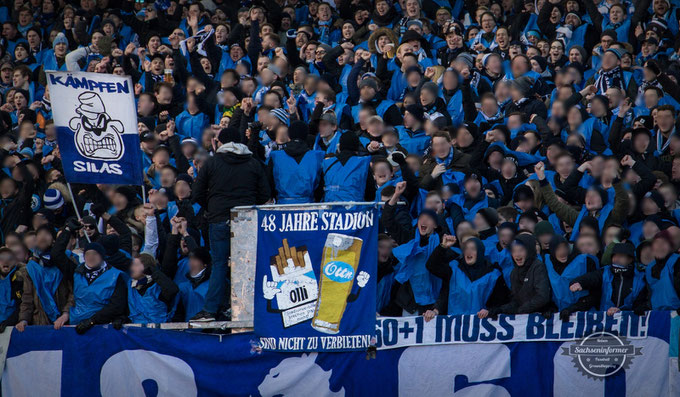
(143, 193)
(75, 207)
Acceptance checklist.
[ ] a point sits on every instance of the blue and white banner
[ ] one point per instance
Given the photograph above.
(315, 279)
(96, 121)
(149, 362)
(415, 331)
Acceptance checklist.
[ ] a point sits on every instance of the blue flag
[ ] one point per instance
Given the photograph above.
(315, 279)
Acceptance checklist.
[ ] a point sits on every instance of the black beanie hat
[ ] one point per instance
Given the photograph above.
(542, 62)
(111, 244)
(508, 225)
(229, 135)
(656, 219)
(624, 249)
(202, 254)
(657, 198)
(523, 192)
(490, 216)
(128, 192)
(641, 131)
(298, 130)
(431, 214)
(647, 121)
(590, 222)
(349, 141)
(186, 178)
(603, 194)
(96, 247)
(417, 112)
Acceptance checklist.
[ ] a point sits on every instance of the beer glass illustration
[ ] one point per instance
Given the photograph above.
(339, 264)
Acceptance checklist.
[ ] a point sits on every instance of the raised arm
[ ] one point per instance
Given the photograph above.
(563, 211)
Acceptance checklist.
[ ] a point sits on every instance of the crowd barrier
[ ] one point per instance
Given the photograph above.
(540, 359)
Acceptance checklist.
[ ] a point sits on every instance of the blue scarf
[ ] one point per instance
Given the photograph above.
(612, 78)
(446, 161)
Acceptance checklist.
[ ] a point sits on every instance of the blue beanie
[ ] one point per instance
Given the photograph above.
(53, 199)
(617, 52)
(60, 38)
(282, 115)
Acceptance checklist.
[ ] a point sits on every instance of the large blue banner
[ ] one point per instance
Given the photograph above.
(315, 278)
(96, 122)
(149, 362)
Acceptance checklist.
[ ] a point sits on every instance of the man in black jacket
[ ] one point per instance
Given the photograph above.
(522, 91)
(529, 280)
(15, 198)
(231, 178)
(118, 246)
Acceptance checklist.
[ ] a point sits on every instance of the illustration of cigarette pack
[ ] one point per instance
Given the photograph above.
(293, 272)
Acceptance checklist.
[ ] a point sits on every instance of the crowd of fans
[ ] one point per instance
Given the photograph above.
(533, 142)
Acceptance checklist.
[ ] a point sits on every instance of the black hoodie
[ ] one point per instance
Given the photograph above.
(530, 284)
(230, 178)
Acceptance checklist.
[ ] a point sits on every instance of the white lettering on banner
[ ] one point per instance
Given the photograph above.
(36, 373)
(339, 271)
(308, 221)
(95, 116)
(433, 369)
(106, 168)
(413, 331)
(123, 373)
(341, 342)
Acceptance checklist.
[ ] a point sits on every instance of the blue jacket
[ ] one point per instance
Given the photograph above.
(147, 308)
(7, 302)
(46, 281)
(415, 142)
(561, 295)
(345, 182)
(295, 182)
(91, 298)
(663, 294)
(466, 296)
(191, 126)
(412, 259)
(192, 297)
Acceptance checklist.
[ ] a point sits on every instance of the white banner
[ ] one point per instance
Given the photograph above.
(395, 332)
(96, 121)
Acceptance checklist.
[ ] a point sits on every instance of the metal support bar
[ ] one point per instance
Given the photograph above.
(318, 205)
(242, 326)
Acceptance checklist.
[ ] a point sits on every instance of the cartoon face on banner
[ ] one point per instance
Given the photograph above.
(97, 135)
(96, 120)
